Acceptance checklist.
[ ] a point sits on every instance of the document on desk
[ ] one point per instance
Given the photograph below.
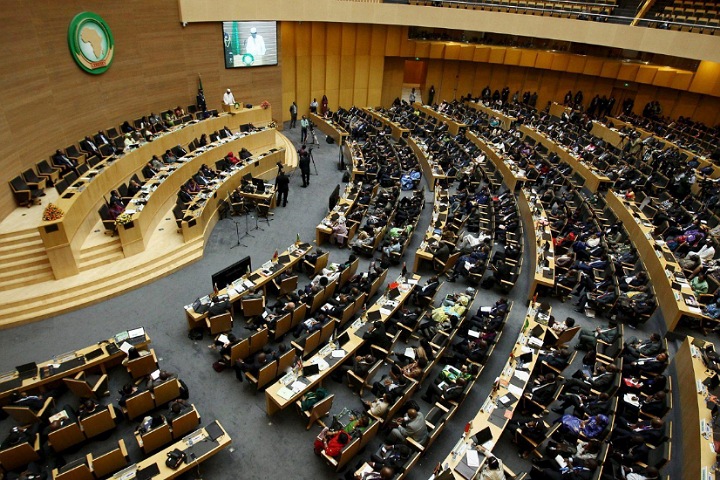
(339, 353)
(297, 386)
(522, 375)
(385, 312)
(517, 391)
(125, 347)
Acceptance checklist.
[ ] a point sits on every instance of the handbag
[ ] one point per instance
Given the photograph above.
(175, 458)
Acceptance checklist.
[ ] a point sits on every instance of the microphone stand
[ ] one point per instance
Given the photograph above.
(237, 232)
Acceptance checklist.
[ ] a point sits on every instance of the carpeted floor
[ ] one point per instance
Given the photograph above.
(263, 447)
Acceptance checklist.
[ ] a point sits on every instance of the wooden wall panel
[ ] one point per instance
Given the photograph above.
(576, 64)
(646, 74)
(392, 79)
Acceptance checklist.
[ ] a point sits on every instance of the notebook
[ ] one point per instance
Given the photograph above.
(482, 436)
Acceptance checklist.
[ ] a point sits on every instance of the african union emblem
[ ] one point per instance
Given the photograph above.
(91, 42)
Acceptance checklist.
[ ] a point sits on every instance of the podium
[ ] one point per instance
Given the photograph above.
(233, 109)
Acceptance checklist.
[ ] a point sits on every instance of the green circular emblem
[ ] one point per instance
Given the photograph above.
(91, 42)
(248, 59)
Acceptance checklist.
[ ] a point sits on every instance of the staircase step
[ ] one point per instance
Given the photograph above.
(25, 279)
(19, 236)
(12, 265)
(100, 260)
(27, 309)
(25, 252)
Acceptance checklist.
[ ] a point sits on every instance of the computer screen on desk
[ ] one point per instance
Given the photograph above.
(227, 275)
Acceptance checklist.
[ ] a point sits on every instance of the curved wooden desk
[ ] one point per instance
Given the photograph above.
(697, 421)
(492, 413)
(396, 129)
(332, 130)
(657, 262)
(510, 175)
(63, 238)
(420, 150)
(505, 120)
(135, 235)
(531, 208)
(453, 126)
(593, 177)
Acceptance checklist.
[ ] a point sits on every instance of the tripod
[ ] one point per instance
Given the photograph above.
(341, 155)
(312, 159)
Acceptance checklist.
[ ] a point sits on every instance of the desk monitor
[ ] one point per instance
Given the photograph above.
(259, 184)
(310, 369)
(27, 370)
(226, 276)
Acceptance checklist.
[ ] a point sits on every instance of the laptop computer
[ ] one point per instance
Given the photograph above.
(27, 370)
(482, 436)
(284, 258)
(148, 472)
(310, 369)
(393, 293)
(374, 315)
(343, 339)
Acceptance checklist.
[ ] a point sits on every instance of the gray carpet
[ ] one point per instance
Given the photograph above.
(263, 447)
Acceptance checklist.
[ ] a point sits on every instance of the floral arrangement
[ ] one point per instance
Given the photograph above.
(265, 105)
(123, 219)
(52, 212)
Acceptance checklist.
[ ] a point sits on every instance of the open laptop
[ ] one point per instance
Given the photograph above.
(393, 293)
(343, 339)
(374, 315)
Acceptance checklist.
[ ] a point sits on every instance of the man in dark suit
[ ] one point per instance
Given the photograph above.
(444, 390)
(64, 162)
(427, 290)
(651, 366)
(89, 146)
(376, 336)
(282, 182)
(304, 164)
(601, 381)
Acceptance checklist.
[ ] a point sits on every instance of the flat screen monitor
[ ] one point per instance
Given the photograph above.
(250, 44)
(227, 275)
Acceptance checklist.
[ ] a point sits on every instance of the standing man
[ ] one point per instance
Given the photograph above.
(293, 115)
(200, 100)
(431, 95)
(228, 98)
(304, 124)
(412, 96)
(282, 182)
(304, 163)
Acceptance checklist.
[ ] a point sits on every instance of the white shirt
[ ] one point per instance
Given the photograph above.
(255, 46)
(229, 98)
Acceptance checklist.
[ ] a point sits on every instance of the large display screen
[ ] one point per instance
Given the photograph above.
(250, 44)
